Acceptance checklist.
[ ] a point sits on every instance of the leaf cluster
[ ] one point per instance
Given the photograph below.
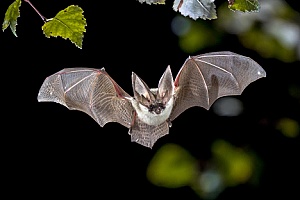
(70, 22)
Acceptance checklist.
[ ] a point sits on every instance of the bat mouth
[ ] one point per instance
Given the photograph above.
(156, 108)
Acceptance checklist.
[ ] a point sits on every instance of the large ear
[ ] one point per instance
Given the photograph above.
(141, 91)
(166, 86)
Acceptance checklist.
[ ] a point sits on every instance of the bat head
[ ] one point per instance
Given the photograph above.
(154, 99)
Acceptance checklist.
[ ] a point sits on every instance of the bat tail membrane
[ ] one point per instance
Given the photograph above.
(91, 91)
(147, 135)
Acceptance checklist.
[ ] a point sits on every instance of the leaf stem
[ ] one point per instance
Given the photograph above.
(43, 18)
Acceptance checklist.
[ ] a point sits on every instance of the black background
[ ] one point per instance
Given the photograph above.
(49, 151)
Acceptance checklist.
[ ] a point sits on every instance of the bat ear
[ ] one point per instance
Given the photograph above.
(141, 91)
(166, 86)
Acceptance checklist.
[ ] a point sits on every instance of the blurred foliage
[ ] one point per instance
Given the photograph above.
(244, 5)
(294, 91)
(274, 32)
(237, 165)
(173, 166)
(206, 9)
(228, 106)
(288, 127)
(194, 35)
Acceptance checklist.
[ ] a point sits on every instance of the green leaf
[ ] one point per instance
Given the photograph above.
(244, 5)
(11, 16)
(204, 9)
(68, 23)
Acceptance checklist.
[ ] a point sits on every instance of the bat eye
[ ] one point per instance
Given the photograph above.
(145, 99)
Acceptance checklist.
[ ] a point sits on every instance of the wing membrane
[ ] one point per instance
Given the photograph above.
(205, 78)
(91, 91)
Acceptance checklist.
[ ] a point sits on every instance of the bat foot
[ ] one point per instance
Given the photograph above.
(169, 122)
(132, 122)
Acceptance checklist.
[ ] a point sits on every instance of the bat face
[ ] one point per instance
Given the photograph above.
(153, 106)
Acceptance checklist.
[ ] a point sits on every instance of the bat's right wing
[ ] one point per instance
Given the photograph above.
(204, 78)
(91, 91)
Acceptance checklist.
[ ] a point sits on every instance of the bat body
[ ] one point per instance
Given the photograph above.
(149, 112)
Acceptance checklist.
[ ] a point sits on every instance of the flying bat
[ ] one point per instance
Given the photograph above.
(149, 113)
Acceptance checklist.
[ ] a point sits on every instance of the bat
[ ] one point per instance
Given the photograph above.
(149, 113)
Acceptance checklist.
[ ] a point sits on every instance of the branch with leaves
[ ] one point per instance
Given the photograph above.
(205, 9)
(68, 23)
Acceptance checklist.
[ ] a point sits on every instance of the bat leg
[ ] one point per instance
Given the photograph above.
(169, 122)
(132, 122)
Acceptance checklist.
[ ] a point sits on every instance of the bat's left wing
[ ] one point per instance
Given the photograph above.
(206, 77)
(91, 91)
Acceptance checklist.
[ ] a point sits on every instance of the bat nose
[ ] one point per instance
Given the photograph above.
(157, 110)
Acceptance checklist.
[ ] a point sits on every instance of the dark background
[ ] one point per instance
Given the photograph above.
(49, 151)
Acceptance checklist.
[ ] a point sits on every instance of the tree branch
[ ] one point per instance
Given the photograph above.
(43, 18)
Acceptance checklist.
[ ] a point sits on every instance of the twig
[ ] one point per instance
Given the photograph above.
(43, 18)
